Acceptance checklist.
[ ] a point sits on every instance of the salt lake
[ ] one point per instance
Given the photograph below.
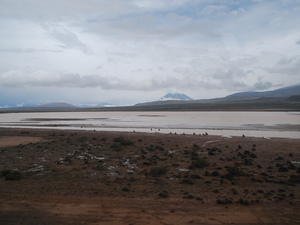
(256, 124)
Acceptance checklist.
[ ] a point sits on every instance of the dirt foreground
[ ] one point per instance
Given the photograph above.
(89, 177)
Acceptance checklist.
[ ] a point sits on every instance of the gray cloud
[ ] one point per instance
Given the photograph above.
(16, 79)
(63, 10)
(149, 45)
(287, 66)
(232, 73)
(261, 85)
(44, 79)
(67, 38)
(27, 50)
(150, 27)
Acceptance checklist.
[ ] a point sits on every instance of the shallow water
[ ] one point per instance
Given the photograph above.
(258, 124)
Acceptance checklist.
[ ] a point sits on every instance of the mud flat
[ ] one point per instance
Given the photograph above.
(94, 177)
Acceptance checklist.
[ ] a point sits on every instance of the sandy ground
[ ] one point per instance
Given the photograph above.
(6, 141)
(81, 177)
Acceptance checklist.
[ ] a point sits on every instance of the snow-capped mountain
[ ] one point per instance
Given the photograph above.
(175, 96)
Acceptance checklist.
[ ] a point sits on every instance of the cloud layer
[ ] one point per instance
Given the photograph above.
(144, 48)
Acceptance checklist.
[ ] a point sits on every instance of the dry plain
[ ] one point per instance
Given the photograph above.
(90, 177)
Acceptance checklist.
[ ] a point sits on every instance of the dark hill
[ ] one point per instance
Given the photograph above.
(282, 92)
(295, 98)
(283, 99)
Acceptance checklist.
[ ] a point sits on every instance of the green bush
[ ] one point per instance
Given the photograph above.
(243, 202)
(83, 139)
(116, 147)
(200, 163)
(5, 172)
(233, 171)
(190, 197)
(187, 181)
(163, 194)
(196, 147)
(125, 189)
(123, 141)
(158, 171)
(234, 191)
(11, 174)
(224, 201)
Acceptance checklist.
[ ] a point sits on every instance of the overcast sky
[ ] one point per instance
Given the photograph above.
(131, 51)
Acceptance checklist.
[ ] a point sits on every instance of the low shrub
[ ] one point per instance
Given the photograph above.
(158, 171)
(234, 191)
(224, 201)
(196, 147)
(199, 198)
(163, 194)
(215, 173)
(11, 174)
(126, 189)
(247, 162)
(195, 176)
(189, 197)
(283, 169)
(123, 141)
(233, 171)
(186, 181)
(295, 179)
(243, 202)
(5, 172)
(199, 163)
(116, 147)
(83, 139)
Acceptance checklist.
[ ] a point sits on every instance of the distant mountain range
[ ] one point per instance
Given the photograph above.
(283, 99)
(56, 105)
(287, 98)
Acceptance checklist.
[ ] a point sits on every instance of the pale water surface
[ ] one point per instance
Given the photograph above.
(258, 124)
